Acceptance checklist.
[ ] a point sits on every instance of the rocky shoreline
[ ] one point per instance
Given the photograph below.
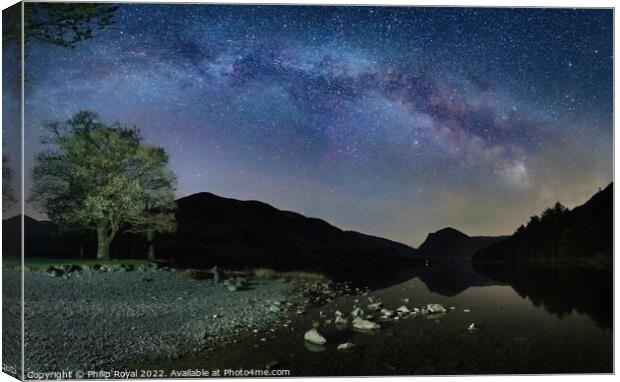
(97, 317)
(105, 316)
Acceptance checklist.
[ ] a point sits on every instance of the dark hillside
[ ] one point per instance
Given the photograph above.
(586, 232)
(219, 231)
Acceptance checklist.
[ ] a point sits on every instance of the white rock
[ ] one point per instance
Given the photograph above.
(357, 312)
(376, 306)
(346, 346)
(339, 313)
(314, 337)
(406, 300)
(341, 320)
(403, 309)
(466, 310)
(387, 313)
(360, 323)
(472, 327)
(435, 308)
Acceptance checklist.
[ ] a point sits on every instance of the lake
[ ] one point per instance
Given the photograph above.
(530, 320)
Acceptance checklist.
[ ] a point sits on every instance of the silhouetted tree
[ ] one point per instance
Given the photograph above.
(584, 232)
(61, 24)
(103, 178)
(8, 195)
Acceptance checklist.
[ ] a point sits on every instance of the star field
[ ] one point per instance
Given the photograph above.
(392, 121)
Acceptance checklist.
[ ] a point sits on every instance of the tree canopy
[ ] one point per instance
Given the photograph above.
(104, 178)
(8, 195)
(558, 233)
(61, 24)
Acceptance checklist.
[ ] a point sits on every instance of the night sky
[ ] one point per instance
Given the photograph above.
(389, 121)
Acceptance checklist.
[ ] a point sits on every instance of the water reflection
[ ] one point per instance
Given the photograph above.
(450, 280)
(514, 335)
(560, 289)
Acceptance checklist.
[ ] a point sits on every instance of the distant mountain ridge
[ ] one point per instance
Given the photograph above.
(451, 245)
(585, 232)
(212, 230)
(217, 230)
(40, 237)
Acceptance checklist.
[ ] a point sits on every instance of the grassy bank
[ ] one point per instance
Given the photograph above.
(41, 263)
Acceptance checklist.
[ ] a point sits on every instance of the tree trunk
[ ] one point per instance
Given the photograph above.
(103, 250)
(103, 243)
(149, 238)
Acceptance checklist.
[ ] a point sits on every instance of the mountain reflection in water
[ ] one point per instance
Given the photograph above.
(533, 321)
(560, 289)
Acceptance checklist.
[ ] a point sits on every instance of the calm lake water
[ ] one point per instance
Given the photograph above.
(534, 320)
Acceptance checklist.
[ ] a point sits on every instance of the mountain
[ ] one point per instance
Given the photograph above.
(451, 245)
(584, 233)
(213, 230)
(40, 237)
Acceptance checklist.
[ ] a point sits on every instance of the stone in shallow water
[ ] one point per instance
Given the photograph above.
(346, 346)
(360, 323)
(387, 313)
(435, 308)
(403, 309)
(357, 312)
(314, 337)
(314, 347)
(375, 306)
(341, 320)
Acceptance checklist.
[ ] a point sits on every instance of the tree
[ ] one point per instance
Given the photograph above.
(61, 24)
(8, 195)
(103, 177)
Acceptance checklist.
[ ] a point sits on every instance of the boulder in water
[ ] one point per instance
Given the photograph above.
(402, 310)
(375, 306)
(435, 308)
(387, 313)
(362, 324)
(341, 320)
(357, 312)
(346, 346)
(314, 337)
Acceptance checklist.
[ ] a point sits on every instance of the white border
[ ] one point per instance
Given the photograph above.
(457, 3)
